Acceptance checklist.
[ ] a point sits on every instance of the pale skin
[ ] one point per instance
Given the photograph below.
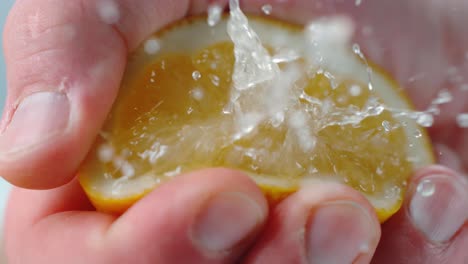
(64, 67)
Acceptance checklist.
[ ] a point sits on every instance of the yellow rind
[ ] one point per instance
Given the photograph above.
(273, 194)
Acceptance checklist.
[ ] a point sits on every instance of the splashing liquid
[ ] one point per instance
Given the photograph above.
(277, 109)
(214, 14)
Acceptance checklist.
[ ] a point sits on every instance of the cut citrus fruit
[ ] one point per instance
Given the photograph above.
(264, 98)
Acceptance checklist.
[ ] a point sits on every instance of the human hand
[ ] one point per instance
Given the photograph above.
(64, 66)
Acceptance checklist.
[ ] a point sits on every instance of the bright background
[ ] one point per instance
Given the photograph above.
(5, 5)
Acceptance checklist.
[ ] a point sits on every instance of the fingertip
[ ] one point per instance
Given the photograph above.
(210, 215)
(62, 80)
(315, 223)
(437, 205)
(40, 151)
(44, 167)
(341, 226)
(342, 220)
(432, 223)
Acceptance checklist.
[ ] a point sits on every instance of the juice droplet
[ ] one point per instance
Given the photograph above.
(214, 14)
(379, 171)
(215, 80)
(462, 120)
(355, 90)
(418, 134)
(357, 51)
(387, 126)
(196, 75)
(108, 11)
(426, 188)
(267, 9)
(425, 120)
(152, 46)
(198, 94)
(126, 169)
(443, 97)
(105, 153)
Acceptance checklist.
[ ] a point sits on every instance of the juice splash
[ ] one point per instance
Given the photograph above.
(281, 103)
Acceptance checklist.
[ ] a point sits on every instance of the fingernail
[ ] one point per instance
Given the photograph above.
(439, 207)
(340, 232)
(227, 220)
(37, 118)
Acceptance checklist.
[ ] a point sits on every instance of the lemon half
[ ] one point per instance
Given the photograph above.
(172, 116)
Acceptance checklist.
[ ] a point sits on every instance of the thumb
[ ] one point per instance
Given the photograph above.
(65, 61)
(209, 216)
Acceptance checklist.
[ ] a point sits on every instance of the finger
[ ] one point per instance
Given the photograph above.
(433, 225)
(322, 223)
(62, 80)
(65, 60)
(209, 216)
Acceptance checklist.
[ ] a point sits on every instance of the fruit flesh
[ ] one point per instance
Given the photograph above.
(170, 118)
(156, 112)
